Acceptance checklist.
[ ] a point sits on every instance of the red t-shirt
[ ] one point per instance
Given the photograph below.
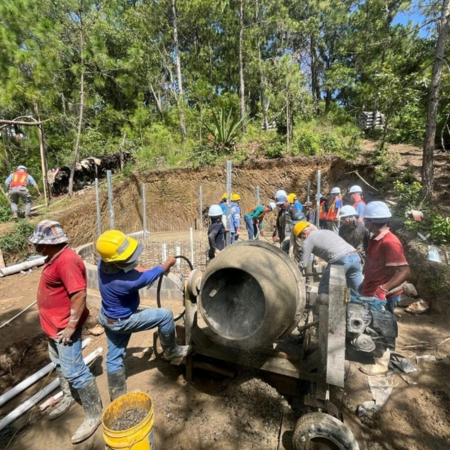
(384, 255)
(63, 275)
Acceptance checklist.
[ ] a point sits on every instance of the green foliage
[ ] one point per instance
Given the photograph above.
(5, 214)
(306, 142)
(17, 239)
(224, 128)
(440, 229)
(275, 150)
(384, 165)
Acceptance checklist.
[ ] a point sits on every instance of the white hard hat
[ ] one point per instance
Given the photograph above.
(281, 198)
(215, 211)
(319, 196)
(347, 211)
(377, 212)
(280, 192)
(272, 206)
(21, 168)
(355, 190)
(335, 190)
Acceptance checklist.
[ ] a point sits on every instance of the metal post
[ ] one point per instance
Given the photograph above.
(229, 171)
(192, 245)
(110, 200)
(97, 200)
(257, 196)
(164, 252)
(178, 253)
(318, 197)
(144, 215)
(201, 208)
(308, 190)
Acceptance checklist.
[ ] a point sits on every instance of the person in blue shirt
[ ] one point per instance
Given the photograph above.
(235, 221)
(119, 279)
(293, 200)
(16, 184)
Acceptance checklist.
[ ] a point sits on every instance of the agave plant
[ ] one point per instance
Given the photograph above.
(223, 129)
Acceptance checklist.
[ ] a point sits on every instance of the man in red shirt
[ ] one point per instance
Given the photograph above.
(385, 271)
(61, 300)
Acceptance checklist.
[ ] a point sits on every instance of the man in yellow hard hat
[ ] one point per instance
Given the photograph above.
(235, 222)
(296, 243)
(328, 246)
(120, 278)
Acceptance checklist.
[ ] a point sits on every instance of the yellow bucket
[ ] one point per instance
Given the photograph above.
(140, 436)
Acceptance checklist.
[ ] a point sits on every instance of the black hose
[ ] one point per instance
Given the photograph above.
(158, 289)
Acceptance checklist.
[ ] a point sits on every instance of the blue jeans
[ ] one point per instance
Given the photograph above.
(251, 228)
(69, 360)
(118, 332)
(353, 274)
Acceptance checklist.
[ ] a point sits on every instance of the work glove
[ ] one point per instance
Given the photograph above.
(65, 335)
(380, 293)
(276, 239)
(216, 251)
(261, 232)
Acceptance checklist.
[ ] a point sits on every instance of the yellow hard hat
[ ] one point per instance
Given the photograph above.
(299, 227)
(224, 196)
(115, 246)
(291, 197)
(235, 197)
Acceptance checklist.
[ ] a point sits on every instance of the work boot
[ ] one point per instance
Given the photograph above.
(170, 347)
(15, 215)
(67, 401)
(117, 384)
(380, 367)
(92, 405)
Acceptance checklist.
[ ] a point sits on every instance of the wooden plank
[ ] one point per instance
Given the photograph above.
(337, 308)
(254, 358)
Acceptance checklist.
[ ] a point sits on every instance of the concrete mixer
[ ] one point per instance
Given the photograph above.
(256, 312)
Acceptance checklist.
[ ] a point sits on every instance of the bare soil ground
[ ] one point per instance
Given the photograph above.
(218, 412)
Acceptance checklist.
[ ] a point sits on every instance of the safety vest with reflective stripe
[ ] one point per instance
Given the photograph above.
(332, 213)
(19, 179)
(322, 212)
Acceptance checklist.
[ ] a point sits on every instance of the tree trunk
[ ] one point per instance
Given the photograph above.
(179, 78)
(433, 102)
(315, 89)
(43, 154)
(80, 117)
(241, 64)
(288, 120)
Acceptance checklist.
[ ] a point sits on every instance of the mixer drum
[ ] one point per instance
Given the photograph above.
(251, 294)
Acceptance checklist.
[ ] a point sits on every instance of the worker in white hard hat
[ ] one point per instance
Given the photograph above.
(353, 231)
(216, 231)
(253, 219)
(385, 271)
(16, 184)
(287, 218)
(334, 210)
(357, 202)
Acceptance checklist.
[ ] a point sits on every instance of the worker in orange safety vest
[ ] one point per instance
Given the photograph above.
(333, 211)
(16, 184)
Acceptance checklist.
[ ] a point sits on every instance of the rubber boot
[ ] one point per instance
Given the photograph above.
(67, 401)
(92, 405)
(117, 384)
(170, 347)
(380, 367)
